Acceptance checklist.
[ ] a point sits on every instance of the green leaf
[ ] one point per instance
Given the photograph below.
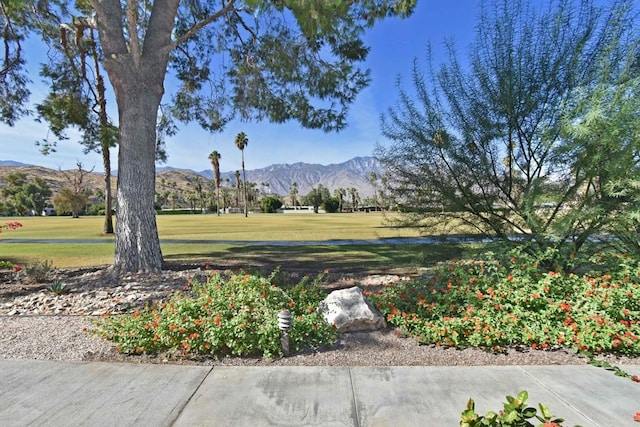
(523, 396)
(544, 410)
(529, 412)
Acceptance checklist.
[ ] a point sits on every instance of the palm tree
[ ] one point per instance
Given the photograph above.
(237, 176)
(214, 157)
(293, 191)
(241, 142)
(340, 193)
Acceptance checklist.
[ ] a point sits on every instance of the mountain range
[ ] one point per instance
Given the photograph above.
(274, 179)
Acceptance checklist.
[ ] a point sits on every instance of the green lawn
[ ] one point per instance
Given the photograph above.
(257, 227)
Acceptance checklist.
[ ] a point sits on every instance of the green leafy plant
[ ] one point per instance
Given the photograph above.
(58, 288)
(229, 314)
(6, 265)
(38, 271)
(515, 413)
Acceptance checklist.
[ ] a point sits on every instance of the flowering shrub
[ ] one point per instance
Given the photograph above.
(12, 225)
(497, 304)
(229, 314)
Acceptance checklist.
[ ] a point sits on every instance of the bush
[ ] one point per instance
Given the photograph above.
(229, 314)
(331, 205)
(270, 204)
(514, 413)
(38, 271)
(492, 304)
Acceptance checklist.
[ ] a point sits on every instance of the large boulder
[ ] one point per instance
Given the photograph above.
(349, 310)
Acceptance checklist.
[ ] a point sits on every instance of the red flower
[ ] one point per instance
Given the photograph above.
(636, 417)
(17, 268)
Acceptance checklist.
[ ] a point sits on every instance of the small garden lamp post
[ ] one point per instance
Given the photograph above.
(285, 322)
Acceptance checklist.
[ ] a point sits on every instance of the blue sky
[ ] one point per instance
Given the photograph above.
(394, 45)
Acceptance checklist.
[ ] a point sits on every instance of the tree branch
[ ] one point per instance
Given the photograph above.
(198, 26)
(132, 27)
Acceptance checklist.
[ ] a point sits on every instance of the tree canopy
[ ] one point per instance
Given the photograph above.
(523, 141)
(253, 59)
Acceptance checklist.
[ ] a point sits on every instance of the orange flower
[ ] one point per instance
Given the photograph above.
(636, 417)
(216, 320)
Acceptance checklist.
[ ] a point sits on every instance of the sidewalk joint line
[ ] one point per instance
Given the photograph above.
(560, 398)
(353, 398)
(195, 390)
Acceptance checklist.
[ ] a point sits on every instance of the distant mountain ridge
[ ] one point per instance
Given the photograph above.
(12, 163)
(352, 173)
(275, 179)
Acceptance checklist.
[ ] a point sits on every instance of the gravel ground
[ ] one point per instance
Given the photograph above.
(66, 337)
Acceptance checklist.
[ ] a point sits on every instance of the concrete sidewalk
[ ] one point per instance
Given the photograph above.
(107, 394)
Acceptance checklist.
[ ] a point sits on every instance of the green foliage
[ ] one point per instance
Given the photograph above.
(527, 139)
(514, 413)
(16, 19)
(26, 194)
(229, 314)
(58, 288)
(38, 271)
(270, 204)
(331, 204)
(316, 197)
(487, 303)
(70, 202)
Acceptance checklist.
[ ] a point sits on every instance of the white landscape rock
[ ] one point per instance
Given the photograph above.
(349, 310)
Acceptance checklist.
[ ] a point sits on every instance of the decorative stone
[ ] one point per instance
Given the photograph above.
(349, 310)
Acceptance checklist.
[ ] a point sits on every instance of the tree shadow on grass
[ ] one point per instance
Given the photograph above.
(379, 258)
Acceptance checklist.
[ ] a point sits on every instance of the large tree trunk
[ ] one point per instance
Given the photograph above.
(138, 83)
(137, 242)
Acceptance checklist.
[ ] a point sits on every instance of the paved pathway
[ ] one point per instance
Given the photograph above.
(46, 393)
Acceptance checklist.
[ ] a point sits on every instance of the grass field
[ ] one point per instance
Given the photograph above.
(234, 228)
